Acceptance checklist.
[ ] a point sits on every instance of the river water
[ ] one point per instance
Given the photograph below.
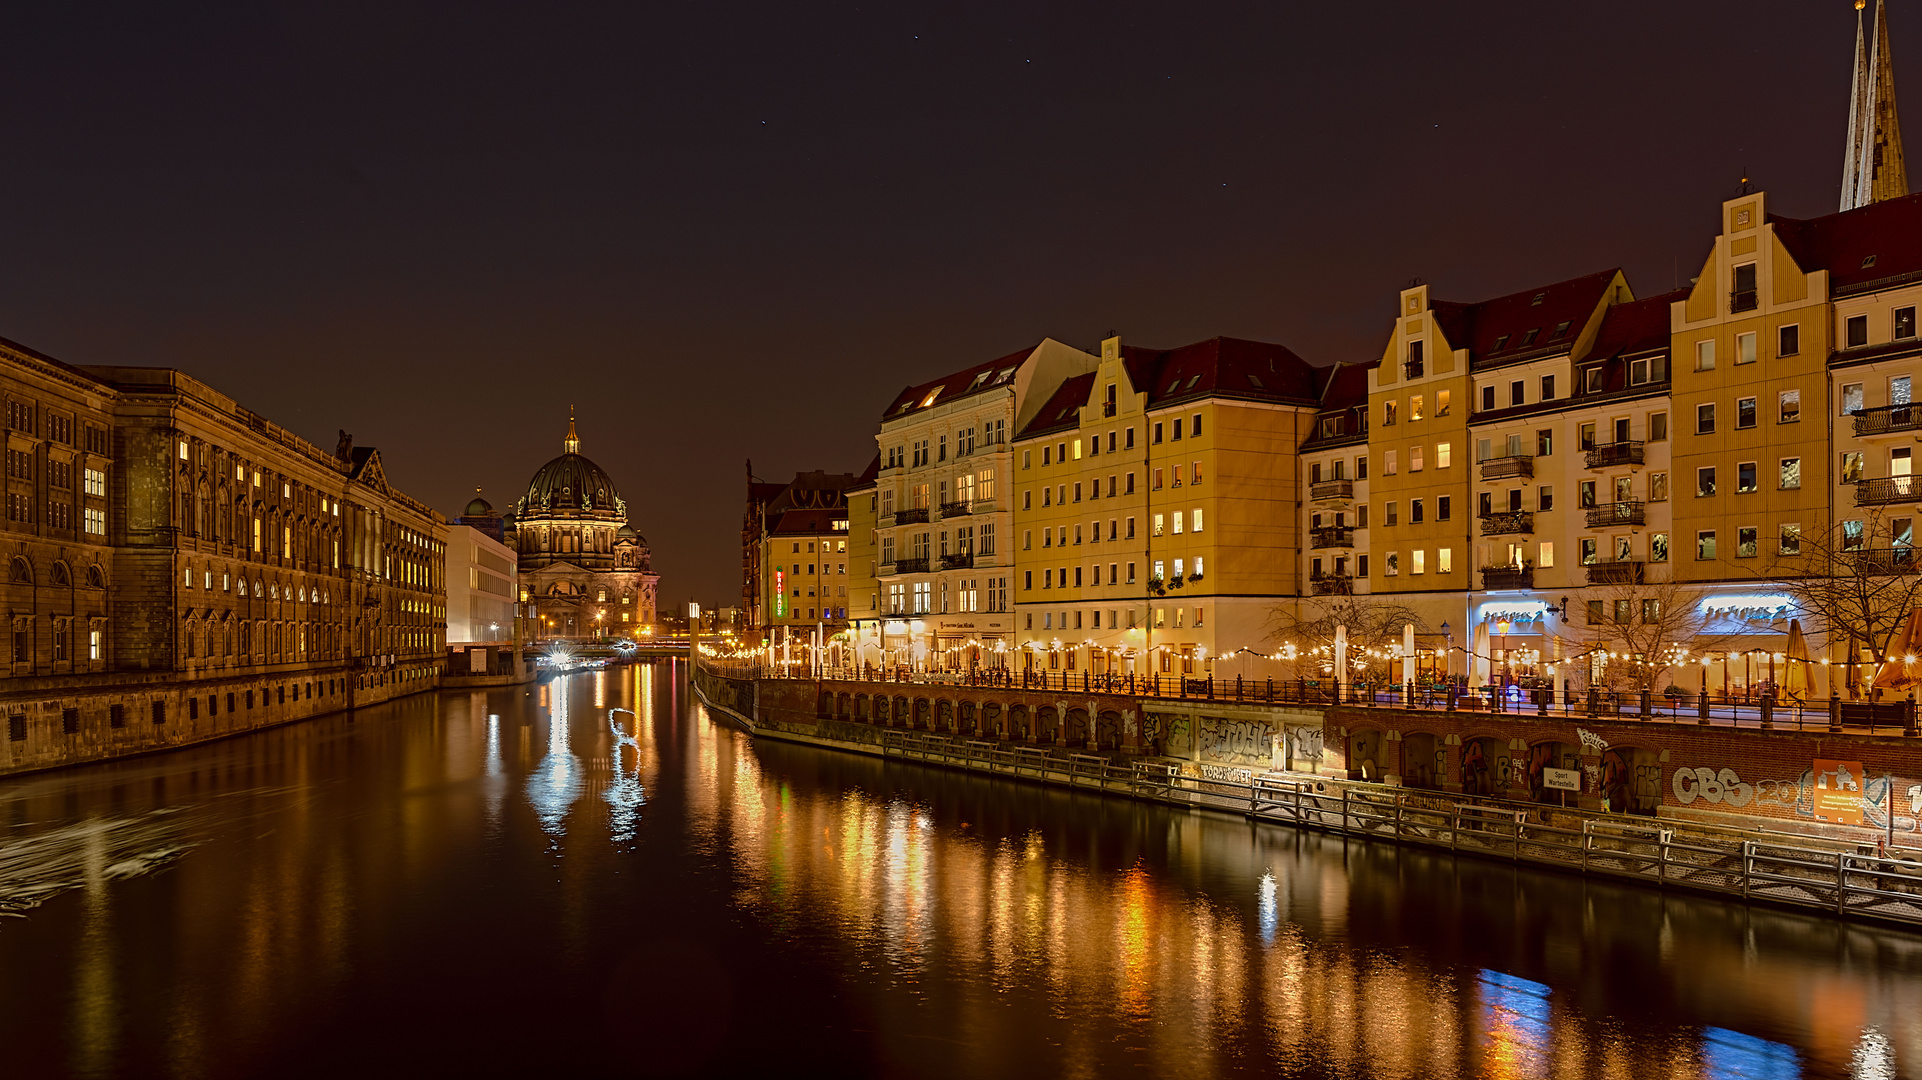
(513, 882)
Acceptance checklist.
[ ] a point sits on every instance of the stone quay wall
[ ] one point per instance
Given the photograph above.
(1849, 786)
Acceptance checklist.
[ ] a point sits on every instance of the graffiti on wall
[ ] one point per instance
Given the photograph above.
(1305, 744)
(1725, 787)
(1237, 741)
(1179, 743)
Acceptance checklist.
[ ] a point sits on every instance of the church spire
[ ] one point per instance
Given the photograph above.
(1872, 169)
(572, 443)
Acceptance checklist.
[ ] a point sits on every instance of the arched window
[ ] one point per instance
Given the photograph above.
(96, 578)
(20, 572)
(61, 576)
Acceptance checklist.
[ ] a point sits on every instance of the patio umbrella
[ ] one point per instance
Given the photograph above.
(1798, 657)
(1481, 654)
(1899, 670)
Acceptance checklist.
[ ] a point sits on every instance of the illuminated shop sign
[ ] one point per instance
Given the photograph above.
(1766, 607)
(1516, 611)
(780, 594)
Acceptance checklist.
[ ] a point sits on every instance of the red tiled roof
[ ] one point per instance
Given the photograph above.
(1890, 232)
(1499, 328)
(956, 385)
(1223, 367)
(1636, 326)
(1345, 386)
(1062, 409)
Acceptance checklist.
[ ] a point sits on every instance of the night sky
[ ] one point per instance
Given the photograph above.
(730, 231)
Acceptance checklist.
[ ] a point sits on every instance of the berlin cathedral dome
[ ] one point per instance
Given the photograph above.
(582, 565)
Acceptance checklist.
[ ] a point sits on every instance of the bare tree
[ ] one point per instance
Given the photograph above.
(1374, 624)
(1635, 633)
(1856, 594)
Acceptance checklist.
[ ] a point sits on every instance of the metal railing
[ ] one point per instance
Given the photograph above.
(1742, 300)
(1887, 419)
(1607, 455)
(1331, 584)
(1508, 522)
(1332, 536)
(1508, 577)
(1900, 560)
(1890, 489)
(957, 562)
(911, 566)
(1838, 878)
(917, 516)
(1617, 572)
(1627, 512)
(1504, 468)
(956, 509)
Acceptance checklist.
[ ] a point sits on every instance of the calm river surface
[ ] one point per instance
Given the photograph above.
(504, 883)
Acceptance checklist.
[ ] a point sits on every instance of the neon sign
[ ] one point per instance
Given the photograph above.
(780, 594)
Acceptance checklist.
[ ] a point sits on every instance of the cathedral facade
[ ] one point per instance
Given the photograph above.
(585, 573)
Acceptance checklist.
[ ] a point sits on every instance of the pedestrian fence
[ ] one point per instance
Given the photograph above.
(1780, 868)
(1753, 710)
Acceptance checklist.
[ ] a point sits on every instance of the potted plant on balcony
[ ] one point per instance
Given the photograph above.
(1156, 587)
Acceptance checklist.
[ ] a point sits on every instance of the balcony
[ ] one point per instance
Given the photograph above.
(1620, 572)
(964, 561)
(911, 517)
(1900, 560)
(1496, 578)
(1608, 455)
(1741, 300)
(1893, 489)
(1887, 420)
(1505, 468)
(956, 509)
(1332, 536)
(1331, 584)
(1631, 512)
(911, 566)
(1322, 490)
(1412, 369)
(1508, 523)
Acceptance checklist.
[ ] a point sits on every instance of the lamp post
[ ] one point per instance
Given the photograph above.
(1502, 627)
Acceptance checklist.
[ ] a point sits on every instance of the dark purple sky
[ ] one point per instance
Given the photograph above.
(730, 231)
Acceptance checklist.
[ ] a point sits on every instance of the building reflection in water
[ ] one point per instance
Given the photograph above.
(555, 783)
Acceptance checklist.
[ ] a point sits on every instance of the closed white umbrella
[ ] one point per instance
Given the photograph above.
(1481, 654)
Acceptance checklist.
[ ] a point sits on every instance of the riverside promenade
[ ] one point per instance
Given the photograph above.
(1806, 817)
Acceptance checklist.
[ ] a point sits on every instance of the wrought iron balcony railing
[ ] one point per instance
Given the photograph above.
(956, 509)
(1508, 577)
(1630, 512)
(1508, 522)
(911, 566)
(1503, 468)
(1898, 560)
(1332, 536)
(1331, 584)
(957, 562)
(1887, 420)
(1609, 455)
(1619, 572)
(911, 517)
(1888, 490)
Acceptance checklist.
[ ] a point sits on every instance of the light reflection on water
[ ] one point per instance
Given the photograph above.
(243, 897)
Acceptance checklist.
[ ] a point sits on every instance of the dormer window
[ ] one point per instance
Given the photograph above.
(1560, 329)
(980, 380)
(1529, 338)
(1868, 261)
(1255, 381)
(1192, 380)
(932, 394)
(1500, 343)
(1537, 302)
